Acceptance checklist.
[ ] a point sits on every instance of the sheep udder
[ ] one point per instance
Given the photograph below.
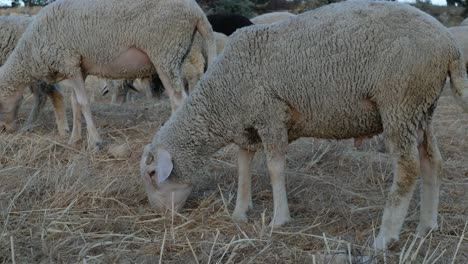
(133, 62)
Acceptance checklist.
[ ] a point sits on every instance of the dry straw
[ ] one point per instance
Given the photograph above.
(63, 204)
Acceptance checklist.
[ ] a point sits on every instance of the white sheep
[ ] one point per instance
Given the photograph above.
(221, 41)
(11, 29)
(270, 18)
(195, 63)
(306, 82)
(461, 36)
(193, 67)
(70, 39)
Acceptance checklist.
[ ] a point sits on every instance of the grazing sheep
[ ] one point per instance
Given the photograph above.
(153, 85)
(195, 64)
(150, 86)
(192, 69)
(228, 23)
(270, 18)
(119, 90)
(11, 29)
(461, 36)
(70, 39)
(221, 41)
(306, 82)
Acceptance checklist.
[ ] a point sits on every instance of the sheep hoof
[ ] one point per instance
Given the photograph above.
(97, 146)
(382, 242)
(63, 132)
(423, 229)
(27, 128)
(73, 141)
(240, 217)
(280, 221)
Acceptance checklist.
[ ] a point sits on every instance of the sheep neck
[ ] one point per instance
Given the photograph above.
(15, 75)
(195, 132)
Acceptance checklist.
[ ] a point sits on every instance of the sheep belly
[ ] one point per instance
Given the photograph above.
(132, 63)
(360, 119)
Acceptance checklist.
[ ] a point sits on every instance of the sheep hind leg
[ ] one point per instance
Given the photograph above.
(431, 168)
(244, 186)
(169, 68)
(120, 92)
(94, 140)
(174, 89)
(406, 169)
(76, 130)
(59, 107)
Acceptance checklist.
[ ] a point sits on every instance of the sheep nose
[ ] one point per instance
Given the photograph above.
(151, 174)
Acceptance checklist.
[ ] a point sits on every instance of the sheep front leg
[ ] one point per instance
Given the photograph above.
(94, 140)
(274, 138)
(276, 164)
(34, 113)
(406, 170)
(244, 186)
(39, 101)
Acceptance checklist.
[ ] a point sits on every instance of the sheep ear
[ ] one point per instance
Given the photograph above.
(164, 165)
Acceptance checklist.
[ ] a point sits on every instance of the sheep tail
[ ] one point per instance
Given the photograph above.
(205, 30)
(459, 82)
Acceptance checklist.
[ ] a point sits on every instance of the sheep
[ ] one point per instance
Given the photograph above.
(270, 18)
(223, 25)
(119, 90)
(306, 82)
(221, 40)
(70, 39)
(461, 36)
(150, 86)
(193, 68)
(195, 64)
(228, 23)
(11, 29)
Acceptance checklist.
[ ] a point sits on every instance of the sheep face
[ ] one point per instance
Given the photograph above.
(163, 193)
(8, 112)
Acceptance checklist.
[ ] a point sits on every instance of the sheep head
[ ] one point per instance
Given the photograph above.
(163, 193)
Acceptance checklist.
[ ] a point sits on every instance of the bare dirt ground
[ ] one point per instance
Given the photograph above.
(64, 204)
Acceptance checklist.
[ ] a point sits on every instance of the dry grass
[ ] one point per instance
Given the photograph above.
(62, 204)
(20, 11)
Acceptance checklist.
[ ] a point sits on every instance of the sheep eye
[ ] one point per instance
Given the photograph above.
(149, 159)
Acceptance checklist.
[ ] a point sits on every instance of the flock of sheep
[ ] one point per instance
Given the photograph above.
(353, 69)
